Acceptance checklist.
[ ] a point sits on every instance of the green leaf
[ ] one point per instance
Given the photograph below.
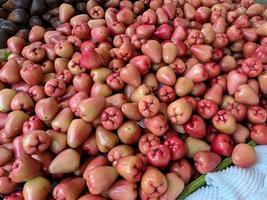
(200, 181)
(4, 53)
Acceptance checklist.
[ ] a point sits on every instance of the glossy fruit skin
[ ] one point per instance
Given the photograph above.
(238, 110)
(258, 133)
(252, 67)
(24, 168)
(114, 81)
(257, 115)
(130, 168)
(224, 122)
(222, 145)
(69, 188)
(46, 109)
(183, 169)
(166, 94)
(14, 123)
(159, 156)
(123, 189)
(119, 151)
(31, 73)
(195, 145)
(34, 123)
(149, 106)
(36, 142)
(244, 155)
(206, 161)
(105, 139)
(186, 81)
(176, 145)
(129, 132)
(100, 179)
(157, 124)
(111, 118)
(146, 141)
(78, 131)
(14, 196)
(175, 186)
(160, 182)
(207, 108)
(96, 104)
(98, 161)
(56, 166)
(195, 127)
(37, 187)
(179, 111)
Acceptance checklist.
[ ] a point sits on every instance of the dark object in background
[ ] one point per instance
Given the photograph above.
(54, 12)
(55, 22)
(70, 1)
(3, 38)
(36, 20)
(3, 13)
(2, 1)
(9, 27)
(101, 1)
(38, 7)
(81, 7)
(24, 14)
(53, 3)
(14, 4)
(24, 33)
(24, 4)
(47, 17)
(18, 16)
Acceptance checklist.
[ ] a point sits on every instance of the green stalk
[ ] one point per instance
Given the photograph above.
(200, 181)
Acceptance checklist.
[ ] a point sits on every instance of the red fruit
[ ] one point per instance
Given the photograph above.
(212, 69)
(176, 145)
(146, 141)
(166, 94)
(159, 156)
(157, 125)
(82, 31)
(142, 62)
(55, 88)
(257, 115)
(195, 127)
(244, 155)
(206, 161)
(202, 52)
(207, 108)
(252, 67)
(111, 118)
(114, 81)
(183, 169)
(197, 73)
(149, 106)
(195, 37)
(261, 53)
(238, 110)
(202, 14)
(90, 59)
(164, 32)
(258, 133)
(131, 75)
(222, 145)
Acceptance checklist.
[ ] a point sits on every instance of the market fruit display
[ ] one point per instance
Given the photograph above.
(128, 99)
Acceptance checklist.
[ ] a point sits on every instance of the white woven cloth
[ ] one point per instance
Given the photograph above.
(235, 183)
